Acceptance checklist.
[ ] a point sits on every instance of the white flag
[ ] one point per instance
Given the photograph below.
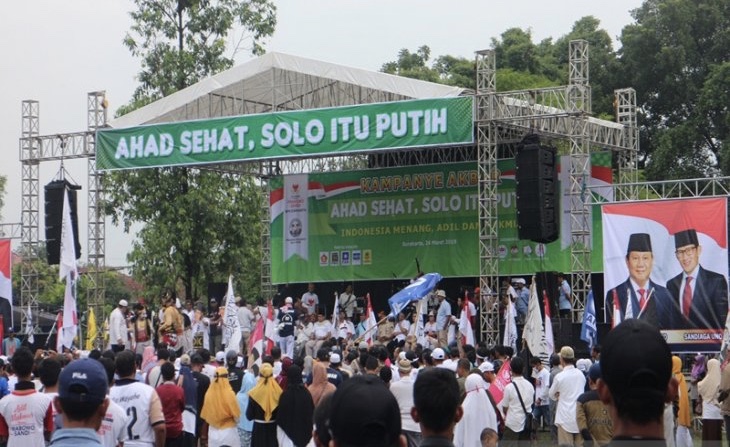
(533, 332)
(549, 340)
(67, 270)
(231, 325)
(465, 324)
(29, 326)
(335, 313)
(371, 324)
(510, 327)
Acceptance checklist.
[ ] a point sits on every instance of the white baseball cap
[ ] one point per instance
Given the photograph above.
(123, 303)
(220, 357)
(288, 300)
(438, 354)
(486, 367)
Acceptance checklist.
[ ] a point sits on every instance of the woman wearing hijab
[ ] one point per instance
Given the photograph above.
(478, 414)
(296, 412)
(281, 379)
(221, 412)
(320, 386)
(245, 425)
(684, 419)
(262, 408)
(708, 389)
(186, 381)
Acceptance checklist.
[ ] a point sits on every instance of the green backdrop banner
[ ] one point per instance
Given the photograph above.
(359, 128)
(374, 224)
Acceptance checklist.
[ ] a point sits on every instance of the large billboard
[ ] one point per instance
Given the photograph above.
(375, 224)
(667, 262)
(301, 133)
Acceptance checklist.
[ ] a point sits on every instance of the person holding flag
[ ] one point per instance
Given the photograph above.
(231, 336)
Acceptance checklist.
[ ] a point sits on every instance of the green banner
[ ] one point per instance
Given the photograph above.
(306, 133)
(374, 224)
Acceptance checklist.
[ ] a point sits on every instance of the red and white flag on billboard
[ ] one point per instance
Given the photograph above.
(6, 282)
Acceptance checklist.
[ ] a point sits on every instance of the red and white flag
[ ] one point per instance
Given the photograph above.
(549, 339)
(504, 378)
(371, 323)
(616, 320)
(467, 333)
(269, 329)
(256, 343)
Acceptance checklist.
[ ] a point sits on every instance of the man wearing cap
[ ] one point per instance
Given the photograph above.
(699, 294)
(594, 421)
(636, 381)
(443, 317)
(523, 298)
(438, 356)
(118, 332)
(639, 296)
(567, 386)
(82, 403)
(403, 392)
(287, 316)
(365, 413)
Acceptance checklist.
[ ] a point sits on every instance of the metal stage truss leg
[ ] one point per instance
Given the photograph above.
(579, 105)
(96, 118)
(628, 172)
(267, 170)
(487, 180)
(29, 147)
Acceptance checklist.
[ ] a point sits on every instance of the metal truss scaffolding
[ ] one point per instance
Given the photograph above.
(502, 119)
(555, 113)
(35, 149)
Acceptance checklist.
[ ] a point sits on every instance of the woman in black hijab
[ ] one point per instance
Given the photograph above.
(296, 410)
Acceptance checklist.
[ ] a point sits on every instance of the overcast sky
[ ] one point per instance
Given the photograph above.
(57, 51)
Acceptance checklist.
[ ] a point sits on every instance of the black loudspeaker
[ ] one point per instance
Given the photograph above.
(563, 333)
(536, 177)
(54, 218)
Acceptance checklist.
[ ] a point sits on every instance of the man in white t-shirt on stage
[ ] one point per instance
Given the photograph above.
(310, 300)
(348, 301)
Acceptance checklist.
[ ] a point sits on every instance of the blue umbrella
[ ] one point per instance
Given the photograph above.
(413, 292)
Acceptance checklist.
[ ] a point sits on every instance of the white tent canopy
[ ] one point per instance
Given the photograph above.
(281, 82)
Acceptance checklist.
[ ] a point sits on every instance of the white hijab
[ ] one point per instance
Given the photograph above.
(478, 414)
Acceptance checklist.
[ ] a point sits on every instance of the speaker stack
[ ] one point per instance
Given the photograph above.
(54, 192)
(538, 218)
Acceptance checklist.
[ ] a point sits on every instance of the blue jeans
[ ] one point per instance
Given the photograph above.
(544, 411)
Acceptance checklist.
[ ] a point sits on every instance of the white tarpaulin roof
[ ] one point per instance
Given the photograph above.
(280, 82)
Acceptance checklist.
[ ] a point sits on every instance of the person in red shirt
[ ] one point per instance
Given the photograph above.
(172, 398)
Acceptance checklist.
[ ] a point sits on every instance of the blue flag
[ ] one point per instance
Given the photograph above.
(413, 292)
(589, 329)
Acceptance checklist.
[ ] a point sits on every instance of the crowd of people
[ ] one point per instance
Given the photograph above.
(325, 385)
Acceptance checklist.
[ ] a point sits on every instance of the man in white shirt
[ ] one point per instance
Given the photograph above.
(443, 318)
(400, 331)
(542, 389)
(118, 332)
(310, 300)
(348, 301)
(567, 386)
(403, 392)
(514, 413)
(246, 320)
(322, 331)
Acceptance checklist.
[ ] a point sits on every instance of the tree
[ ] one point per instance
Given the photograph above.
(199, 225)
(673, 55)
(412, 65)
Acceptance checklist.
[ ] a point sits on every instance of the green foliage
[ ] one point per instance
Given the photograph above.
(199, 225)
(183, 41)
(674, 56)
(448, 70)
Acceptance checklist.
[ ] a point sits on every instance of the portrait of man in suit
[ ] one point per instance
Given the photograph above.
(639, 296)
(698, 293)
